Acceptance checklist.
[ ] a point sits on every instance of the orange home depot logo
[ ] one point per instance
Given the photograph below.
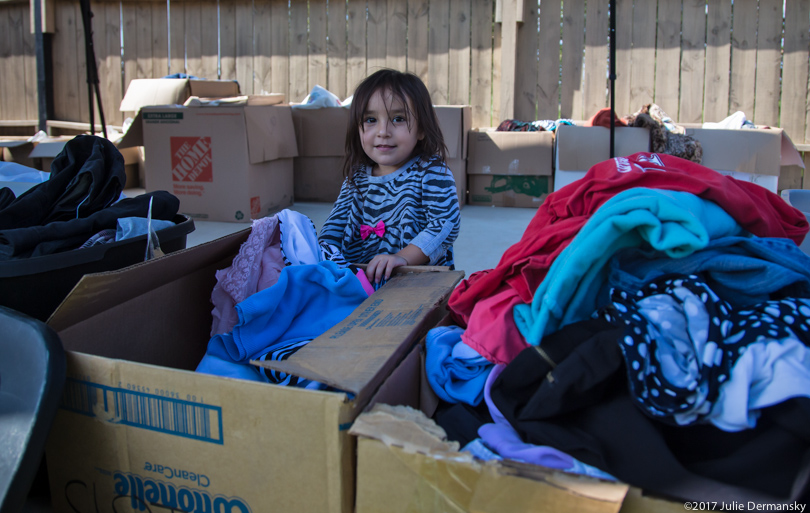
(192, 160)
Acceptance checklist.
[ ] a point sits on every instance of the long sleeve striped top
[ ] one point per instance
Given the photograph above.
(417, 205)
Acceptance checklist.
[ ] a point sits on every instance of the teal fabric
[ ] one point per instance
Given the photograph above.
(676, 223)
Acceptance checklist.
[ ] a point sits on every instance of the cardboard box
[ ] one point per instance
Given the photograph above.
(402, 465)
(509, 169)
(139, 430)
(143, 92)
(46, 150)
(456, 122)
(751, 155)
(17, 149)
(223, 163)
(578, 148)
(321, 137)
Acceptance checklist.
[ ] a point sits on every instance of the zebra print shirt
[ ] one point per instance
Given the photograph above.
(417, 203)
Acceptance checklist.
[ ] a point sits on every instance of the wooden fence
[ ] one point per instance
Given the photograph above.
(700, 60)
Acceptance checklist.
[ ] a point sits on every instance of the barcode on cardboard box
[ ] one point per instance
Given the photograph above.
(144, 410)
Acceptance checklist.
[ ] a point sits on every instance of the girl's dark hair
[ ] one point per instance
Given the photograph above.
(403, 86)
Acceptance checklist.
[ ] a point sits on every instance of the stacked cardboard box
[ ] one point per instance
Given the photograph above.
(509, 169)
(580, 147)
(754, 155)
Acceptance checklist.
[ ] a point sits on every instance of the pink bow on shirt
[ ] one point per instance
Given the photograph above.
(366, 230)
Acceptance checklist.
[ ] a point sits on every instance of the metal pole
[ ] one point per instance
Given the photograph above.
(42, 83)
(92, 70)
(612, 76)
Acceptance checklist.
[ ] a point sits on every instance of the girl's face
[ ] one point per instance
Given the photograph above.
(385, 133)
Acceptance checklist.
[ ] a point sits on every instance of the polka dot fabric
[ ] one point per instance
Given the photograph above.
(681, 342)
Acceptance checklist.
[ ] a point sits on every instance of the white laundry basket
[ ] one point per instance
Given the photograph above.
(800, 198)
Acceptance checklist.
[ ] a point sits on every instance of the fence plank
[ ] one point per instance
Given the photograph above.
(548, 64)
(642, 71)
(596, 57)
(526, 63)
(107, 44)
(743, 58)
(356, 51)
(336, 50)
(30, 64)
(66, 63)
(177, 43)
(624, 56)
(375, 35)
(459, 57)
(227, 41)
(396, 35)
(192, 17)
(438, 47)
(573, 44)
(316, 65)
(418, 14)
(209, 65)
(718, 60)
(508, 54)
(298, 51)
(160, 40)
(129, 15)
(263, 22)
(793, 118)
(769, 62)
(481, 62)
(668, 56)
(280, 60)
(693, 61)
(12, 65)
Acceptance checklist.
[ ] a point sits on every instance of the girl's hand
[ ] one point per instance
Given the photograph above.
(382, 266)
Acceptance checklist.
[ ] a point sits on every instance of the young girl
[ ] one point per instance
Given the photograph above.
(398, 204)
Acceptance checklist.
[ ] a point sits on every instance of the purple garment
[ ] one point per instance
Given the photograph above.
(256, 267)
(504, 440)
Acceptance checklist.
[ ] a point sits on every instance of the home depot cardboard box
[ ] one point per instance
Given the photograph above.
(321, 137)
(754, 155)
(223, 163)
(577, 148)
(139, 430)
(404, 465)
(509, 169)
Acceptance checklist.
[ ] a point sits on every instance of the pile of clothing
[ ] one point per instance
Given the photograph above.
(652, 326)
(281, 291)
(80, 203)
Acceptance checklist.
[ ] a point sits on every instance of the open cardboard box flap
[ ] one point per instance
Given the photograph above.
(143, 92)
(98, 292)
(359, 352)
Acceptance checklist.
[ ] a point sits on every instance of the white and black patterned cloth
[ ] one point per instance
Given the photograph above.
(682, 341)
(417, 204)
